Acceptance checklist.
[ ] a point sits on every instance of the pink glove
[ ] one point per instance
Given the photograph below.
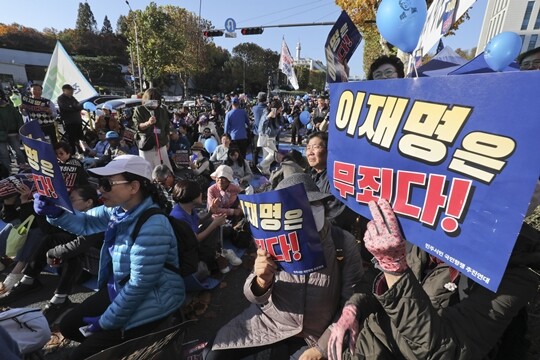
(383, 238)
(347, 322)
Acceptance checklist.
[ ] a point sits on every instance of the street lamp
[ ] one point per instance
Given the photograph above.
(137, 49)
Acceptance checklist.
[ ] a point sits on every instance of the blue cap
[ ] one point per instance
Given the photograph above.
(111, 135)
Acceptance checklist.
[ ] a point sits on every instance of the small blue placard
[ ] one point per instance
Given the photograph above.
(230, 25)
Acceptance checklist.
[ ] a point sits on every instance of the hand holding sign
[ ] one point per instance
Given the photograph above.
(383, 238)
(264, 269)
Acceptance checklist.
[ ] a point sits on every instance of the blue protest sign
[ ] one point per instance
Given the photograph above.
(230, 25)
(48, 179)
(282, 223)
(340, 45)
(456, 156)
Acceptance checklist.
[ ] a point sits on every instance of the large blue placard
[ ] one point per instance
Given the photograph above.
(282, 223)
(48, 178)
(457, 157)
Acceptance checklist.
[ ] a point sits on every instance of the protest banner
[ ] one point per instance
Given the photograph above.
(282, 223)
(440, 17)
(48, 178)
(15, 184)
(456, 156)
(340, 45)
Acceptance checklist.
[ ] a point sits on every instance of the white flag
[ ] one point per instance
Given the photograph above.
(286, 65)
(62, 70)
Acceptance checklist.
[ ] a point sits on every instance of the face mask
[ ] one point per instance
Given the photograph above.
(318, 215)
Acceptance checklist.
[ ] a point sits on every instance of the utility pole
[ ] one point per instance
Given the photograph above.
(137, 49)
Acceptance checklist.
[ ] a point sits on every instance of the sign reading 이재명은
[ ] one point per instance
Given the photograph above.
(282, 223)
(456, 156)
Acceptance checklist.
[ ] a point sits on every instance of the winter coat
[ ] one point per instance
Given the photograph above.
(152, 292)
(427, 320)
(297, 305)
(142, 115)
(70, 109)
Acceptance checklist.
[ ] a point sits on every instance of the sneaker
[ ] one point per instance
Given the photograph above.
(54, 311)
(231, 257)
(19, 290)
(223, 264)
(9, 283)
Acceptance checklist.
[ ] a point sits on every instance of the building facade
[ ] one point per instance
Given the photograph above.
(519, 16)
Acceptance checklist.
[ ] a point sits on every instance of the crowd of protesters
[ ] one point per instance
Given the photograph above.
(376, 297)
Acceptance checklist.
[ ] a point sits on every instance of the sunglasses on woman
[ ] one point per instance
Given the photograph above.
(106, 184)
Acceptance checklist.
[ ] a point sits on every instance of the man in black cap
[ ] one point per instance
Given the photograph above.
(70, 114)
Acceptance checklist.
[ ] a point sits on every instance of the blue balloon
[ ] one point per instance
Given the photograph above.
(502, 50)
(210, 144)
(401, 22)
(309, 126)
(304, 117)
(89, 106)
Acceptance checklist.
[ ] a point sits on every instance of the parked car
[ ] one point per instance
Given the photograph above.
(120, 104)
(100, 99)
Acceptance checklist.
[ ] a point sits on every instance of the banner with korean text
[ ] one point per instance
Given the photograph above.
(282, 223)
(48, 179)
(15, 184)
(457, 157)
(340, 45)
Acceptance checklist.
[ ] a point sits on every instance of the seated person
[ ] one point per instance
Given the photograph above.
(188, 196)
(200, 167)
(82, 198)
(72, 169)
(223, 195)
(241, 170)
(293, 314)
(164, 178)
(115, 149)
(220, 153)
(414, 314)
(205, 135)
(107, 121)
(204, 122)
(178, 140)
(97, 151)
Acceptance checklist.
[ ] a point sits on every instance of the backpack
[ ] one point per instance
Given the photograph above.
(27, 327)
(188, 245)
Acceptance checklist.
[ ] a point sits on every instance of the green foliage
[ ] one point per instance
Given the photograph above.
(106, 29)
(19, 37)
(86, 22)
(102, 70)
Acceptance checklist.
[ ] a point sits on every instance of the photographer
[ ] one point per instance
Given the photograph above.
(151, 120)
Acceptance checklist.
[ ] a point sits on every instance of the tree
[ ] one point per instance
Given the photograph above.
(362, 14)
(86, 22)
(20, 37)
(467, 54)
(106, 29)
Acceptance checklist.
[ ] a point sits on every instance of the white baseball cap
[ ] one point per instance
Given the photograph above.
(125, 163)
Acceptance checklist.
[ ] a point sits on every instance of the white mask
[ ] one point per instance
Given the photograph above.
(318, 215)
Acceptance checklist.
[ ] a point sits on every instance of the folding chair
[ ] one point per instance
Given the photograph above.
(162, 345)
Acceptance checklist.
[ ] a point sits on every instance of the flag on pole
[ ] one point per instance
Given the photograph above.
(440, 46)
(62, 70)
(286, 65)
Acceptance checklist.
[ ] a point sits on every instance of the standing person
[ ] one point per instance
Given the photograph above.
(296, 138)
(10, 123)
(320, 112)
(41, 109)
(236, 123)
(257, 115)
(138, 291)
(151, 120)
(70, 114)
(268, 131)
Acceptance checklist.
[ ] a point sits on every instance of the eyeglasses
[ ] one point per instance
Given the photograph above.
(383, 74)
(107, 184)
(535, 64)
(314, 147)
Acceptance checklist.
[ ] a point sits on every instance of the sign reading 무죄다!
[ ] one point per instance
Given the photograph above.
(48, 178)
(457, 157)
(282, 223)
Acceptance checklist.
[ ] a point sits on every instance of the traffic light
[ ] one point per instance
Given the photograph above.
(212, 33)
(252, 31)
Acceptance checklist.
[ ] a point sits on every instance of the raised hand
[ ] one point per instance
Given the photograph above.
(384, 240)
